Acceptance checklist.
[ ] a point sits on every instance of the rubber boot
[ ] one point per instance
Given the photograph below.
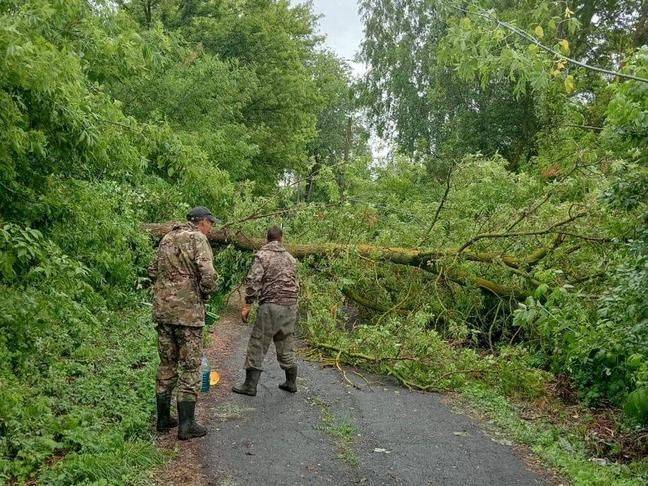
(188, 427)
(249, 387)
(164, 419)
(290, 385)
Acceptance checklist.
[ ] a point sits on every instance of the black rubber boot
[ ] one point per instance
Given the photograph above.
(188, 428)
(250, 385)
(164, 419)
(290, 385)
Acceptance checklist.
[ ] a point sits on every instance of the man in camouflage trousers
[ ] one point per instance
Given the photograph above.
(272, 282)
(184, 278)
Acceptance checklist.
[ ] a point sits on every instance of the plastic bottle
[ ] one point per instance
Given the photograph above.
(205, 371)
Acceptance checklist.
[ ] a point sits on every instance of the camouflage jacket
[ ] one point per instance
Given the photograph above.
(184, 277)
(273, 277)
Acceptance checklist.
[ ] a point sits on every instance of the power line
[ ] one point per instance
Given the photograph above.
(484, 14)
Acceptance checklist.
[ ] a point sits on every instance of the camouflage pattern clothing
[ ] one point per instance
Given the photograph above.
(184, 278)
(272, 281)
(273, 323)
(180, 350)
(273, 277)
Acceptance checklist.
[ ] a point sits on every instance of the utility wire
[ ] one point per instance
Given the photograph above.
(484, 14)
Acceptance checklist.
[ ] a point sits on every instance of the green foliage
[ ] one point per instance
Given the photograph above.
(232, 267)
(117, 113)
(606, 358)
(442, 85)
(28, 261)
(269, 46)
(431, 361)
(63, 396)
(112, 115)
(636, 406)
(584, 148)
(449, 78)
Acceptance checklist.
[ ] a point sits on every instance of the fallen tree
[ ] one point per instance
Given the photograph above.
(424, 259)
(371, 304)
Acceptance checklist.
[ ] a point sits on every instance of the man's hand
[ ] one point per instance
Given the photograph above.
(245, 312)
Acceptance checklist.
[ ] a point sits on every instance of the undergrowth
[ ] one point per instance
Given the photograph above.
(559, 443)
(77, 357)
(86, 415)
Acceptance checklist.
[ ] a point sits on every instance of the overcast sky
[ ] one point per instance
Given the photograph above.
(341, 24)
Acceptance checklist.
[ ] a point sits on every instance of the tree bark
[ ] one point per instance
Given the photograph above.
(311, 179)
(423, 259)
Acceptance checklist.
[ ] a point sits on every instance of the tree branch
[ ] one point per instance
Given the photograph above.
(364, 302)
(439, 208)
(549, 230)
(383, 361)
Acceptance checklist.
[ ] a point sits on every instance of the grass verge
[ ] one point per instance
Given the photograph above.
(556, 437)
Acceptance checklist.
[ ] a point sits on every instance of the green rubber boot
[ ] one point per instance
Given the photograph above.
(188, 428)
(249, 387)
(290, 385)
(164, 419)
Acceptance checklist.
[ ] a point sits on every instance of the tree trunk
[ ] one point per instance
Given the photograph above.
(311, 179)
(423, 259)
(641, 27)
(346, 156)
(148, 13)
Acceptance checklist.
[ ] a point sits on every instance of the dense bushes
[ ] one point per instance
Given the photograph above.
(602, 347)
(75, 375)
(105, 124)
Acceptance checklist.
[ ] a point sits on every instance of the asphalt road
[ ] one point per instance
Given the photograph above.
(332, 433)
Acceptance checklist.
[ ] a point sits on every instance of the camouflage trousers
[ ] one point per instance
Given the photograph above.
(180, 350)
(273, 323)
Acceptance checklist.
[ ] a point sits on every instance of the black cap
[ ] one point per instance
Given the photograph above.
(201, 212)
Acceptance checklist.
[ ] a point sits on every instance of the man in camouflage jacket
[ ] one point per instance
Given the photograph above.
(184, 278)
(272, 281)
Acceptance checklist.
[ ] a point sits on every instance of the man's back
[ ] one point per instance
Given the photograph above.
(184, 276)
(273, 277)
